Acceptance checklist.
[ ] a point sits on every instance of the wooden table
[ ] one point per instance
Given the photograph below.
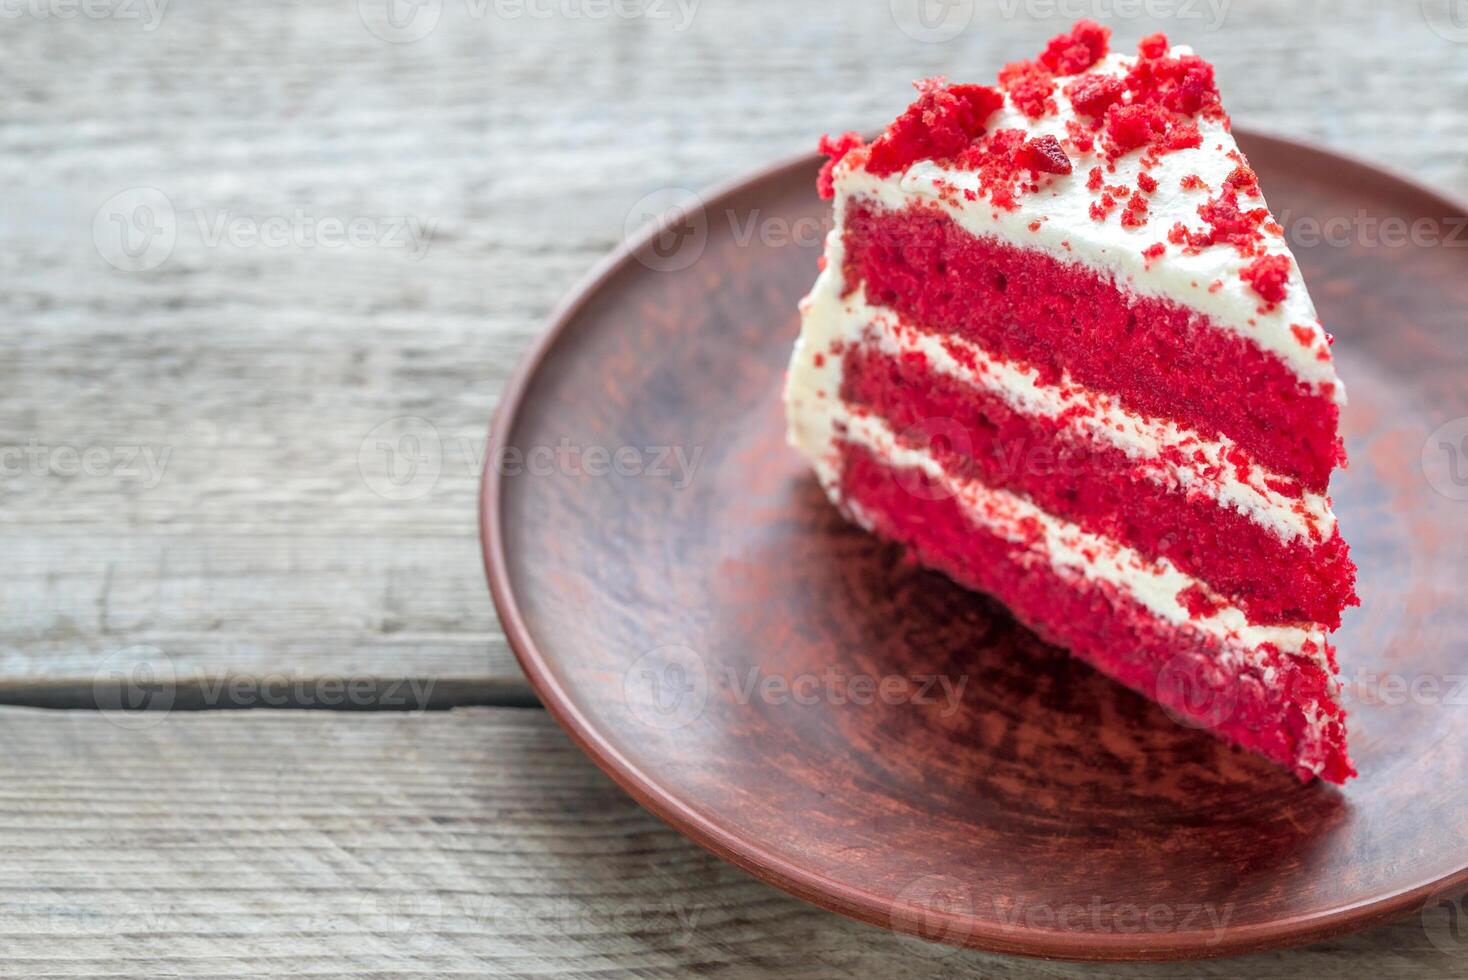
(206, 475)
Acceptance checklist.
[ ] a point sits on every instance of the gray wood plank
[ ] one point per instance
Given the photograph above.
(467, 843)
(265, 372)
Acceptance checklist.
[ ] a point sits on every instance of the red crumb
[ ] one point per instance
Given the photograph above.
(1095, 179)
(1192, 182)
(1080, 136)
(819, 360)
(1131, 126)
(1030, 87)
(1231, 225)
(1215, 286)
(1183, 85)
(1268, 275)
(1034, 226)
(1100, 209)
(994, 159)
(1303, 334)
(1092, 95)
(821, 262)
(1154, 252)
(836, 149)
(1147, 183)
(1135, 215)
(1153, 46)
(1244, 180)
(941, 124)
(1043, 154)
(1071, 54)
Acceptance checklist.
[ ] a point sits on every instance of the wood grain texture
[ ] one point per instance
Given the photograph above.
(473, 843)
(525, 143)
(265, 552)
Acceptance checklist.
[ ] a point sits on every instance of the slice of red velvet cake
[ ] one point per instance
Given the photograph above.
(1060, 350)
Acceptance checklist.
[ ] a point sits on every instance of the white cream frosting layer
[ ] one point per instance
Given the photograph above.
(1067, 231)
(1072, 551)
(1149, 442)
(818, 419)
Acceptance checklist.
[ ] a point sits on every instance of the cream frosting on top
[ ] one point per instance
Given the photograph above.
(1207, 280)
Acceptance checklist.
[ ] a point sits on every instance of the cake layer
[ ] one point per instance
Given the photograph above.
(1131, 165)
(1171, 454)
(1155, 356)
(1280, 705)
(1159, 586)
(976, 433)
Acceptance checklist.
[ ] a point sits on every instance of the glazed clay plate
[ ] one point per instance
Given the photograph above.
(787, 692)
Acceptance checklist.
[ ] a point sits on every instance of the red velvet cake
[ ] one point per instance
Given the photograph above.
(1060, 351)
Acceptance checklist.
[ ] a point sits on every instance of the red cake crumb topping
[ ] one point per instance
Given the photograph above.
(1244, 180)
(1080, 136)
(1095, 179)
(1100, 209)
(1268, 275)
(995, 161)
(1147, 182)
(836, 150)
(943, 121)
(1154, 252)
(1135, 215)
(1131, 126)
(1070, 54)
(1092, 95)
(1228, 225)
(1034, 226)
(1153, 46)
(1030, 86)
(1183, 85)
(1192, 182)
(1043, 154)
(1303, 334)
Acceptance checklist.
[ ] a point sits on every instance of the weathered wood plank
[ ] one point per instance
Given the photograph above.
(523, 142)
(474, 842)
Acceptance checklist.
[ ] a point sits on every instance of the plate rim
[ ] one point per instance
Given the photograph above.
(810, 886)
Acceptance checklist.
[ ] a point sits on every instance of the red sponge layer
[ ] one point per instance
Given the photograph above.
(1157, 357)
(1170, 664)
(976, 434)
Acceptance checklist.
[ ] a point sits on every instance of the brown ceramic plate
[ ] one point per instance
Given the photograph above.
(781, 688)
